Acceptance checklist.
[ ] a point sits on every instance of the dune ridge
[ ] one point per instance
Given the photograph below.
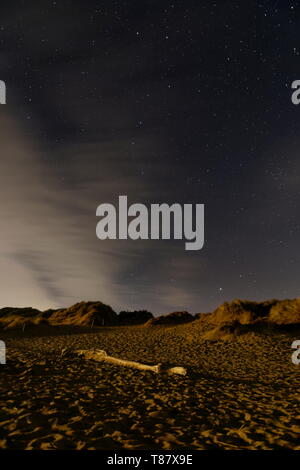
(230, 318)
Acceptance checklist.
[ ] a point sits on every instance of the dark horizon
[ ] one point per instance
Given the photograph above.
(148, 310)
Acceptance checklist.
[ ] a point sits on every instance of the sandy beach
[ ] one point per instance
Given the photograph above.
(238, 394)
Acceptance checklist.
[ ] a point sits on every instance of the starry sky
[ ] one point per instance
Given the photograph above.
(181, 101)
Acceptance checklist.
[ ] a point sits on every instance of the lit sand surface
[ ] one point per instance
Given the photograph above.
(240, 394)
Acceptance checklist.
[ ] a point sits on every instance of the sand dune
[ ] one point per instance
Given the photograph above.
(85, 314)
(173, 318)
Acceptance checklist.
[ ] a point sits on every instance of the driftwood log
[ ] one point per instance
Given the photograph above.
(101, 356)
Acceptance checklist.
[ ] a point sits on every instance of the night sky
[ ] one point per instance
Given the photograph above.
(183, 101)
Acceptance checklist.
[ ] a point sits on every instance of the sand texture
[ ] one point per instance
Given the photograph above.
(238, 394)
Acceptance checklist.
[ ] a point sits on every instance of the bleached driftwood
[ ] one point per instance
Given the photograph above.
(101, 356)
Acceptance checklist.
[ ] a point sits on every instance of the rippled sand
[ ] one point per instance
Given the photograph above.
(241, 394)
